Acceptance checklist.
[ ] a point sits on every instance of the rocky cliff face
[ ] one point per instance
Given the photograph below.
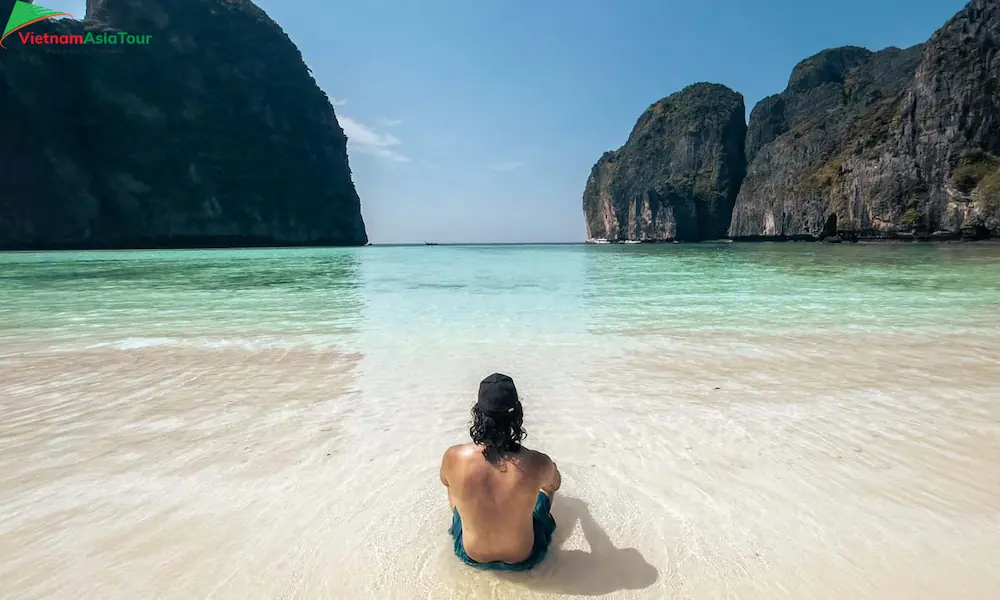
(879, 145)
(794, 134)
(677, 176)
(213, 133)
(895, 143)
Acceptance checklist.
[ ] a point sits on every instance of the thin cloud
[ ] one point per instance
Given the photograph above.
(338, 102)
(389, 122)
(367, 140)
(507, 166)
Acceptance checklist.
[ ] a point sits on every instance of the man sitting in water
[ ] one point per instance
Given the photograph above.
(500, 492)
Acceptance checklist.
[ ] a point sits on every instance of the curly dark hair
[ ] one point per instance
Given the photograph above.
(498, 434)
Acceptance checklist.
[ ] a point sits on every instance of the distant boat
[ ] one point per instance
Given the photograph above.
(633, 242)
(598, 241)
(430, 243)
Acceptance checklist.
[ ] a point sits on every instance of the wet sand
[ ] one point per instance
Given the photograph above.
(695, 466)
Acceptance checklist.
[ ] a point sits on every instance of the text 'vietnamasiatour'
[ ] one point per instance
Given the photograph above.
(90, 38)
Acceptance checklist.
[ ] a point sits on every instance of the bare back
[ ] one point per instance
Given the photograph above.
(496, 501)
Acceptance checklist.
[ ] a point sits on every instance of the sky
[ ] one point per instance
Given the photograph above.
(479, 120)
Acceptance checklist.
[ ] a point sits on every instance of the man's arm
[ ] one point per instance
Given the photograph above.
(553, 479)
(446, 465)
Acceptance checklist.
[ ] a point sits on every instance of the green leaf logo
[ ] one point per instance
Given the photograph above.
(25, 14)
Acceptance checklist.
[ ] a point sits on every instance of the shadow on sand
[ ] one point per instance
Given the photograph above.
(602, 570)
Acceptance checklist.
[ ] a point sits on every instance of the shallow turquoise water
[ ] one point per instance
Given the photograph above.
(497, 292)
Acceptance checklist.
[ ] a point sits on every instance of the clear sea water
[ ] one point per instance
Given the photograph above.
(733, 420)
(568, 292)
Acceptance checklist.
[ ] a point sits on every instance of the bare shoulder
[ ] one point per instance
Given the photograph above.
(537, 459)
(451, 461)
(547, 472)
(460, 452)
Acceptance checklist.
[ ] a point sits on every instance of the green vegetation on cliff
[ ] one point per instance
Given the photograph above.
(974, 167)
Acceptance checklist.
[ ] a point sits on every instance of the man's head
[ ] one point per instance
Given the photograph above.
(497, 417)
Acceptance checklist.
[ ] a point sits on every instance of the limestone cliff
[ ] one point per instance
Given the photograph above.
(677, 176)
(898, 142)
(793, 134)
(861, 144)
(212, 134)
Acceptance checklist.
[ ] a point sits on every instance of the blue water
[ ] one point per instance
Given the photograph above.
(481, 292)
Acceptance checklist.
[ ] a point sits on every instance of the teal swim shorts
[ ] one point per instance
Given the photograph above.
(545, 526)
